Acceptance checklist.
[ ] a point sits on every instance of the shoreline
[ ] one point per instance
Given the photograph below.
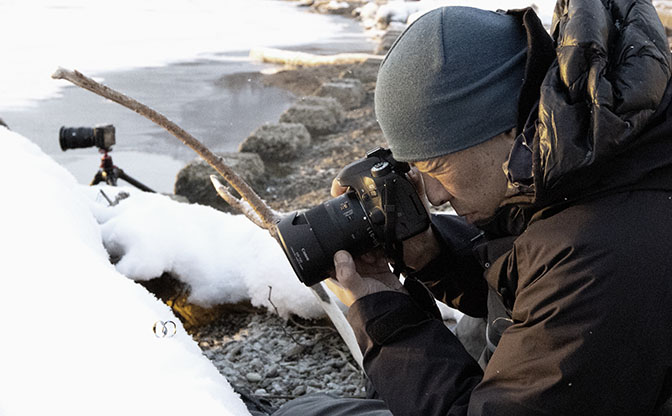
(219, 99)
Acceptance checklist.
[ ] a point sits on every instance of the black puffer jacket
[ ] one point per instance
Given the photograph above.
(583, 258)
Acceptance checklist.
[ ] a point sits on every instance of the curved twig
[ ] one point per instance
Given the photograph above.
(266, 218)
(253, 207)
(240, 205)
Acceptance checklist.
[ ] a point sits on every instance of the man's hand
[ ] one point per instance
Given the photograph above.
(419, 250)
(422, 248)
(369, 274)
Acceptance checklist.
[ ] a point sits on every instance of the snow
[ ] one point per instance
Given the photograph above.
(218, 254)
(77, 335)
(406, 12)
(97, 35)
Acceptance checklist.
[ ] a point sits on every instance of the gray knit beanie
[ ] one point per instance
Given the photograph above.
(451, 81)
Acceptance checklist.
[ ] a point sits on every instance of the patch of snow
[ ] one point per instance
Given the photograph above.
(336, 5)
(77, 335)
(406, 12)
(224, 258)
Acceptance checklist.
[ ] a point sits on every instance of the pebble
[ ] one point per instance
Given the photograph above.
(253, 377)
(256, 363)
(300, 390)
(272, 371)
(263, 358)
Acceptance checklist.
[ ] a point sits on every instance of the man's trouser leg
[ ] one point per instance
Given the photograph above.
(327, 405)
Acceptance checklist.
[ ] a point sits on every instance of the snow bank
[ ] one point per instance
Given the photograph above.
(224, 258)
(77, 336)
(407, 11)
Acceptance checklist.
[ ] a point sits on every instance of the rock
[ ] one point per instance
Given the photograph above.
(294, 352)
(389, 37)
(193, 181)
(664, 9)
(299, 390)
(2, 123)
(272, 371)
(253, 377)
(367, 14)
(395, 12)
(320, 115)
(366, 72)
(333, 7)
(277, 141)
(348, 91)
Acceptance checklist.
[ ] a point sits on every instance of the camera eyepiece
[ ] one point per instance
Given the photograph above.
(102, 136)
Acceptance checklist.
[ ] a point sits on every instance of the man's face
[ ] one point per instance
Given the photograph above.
(472, 180)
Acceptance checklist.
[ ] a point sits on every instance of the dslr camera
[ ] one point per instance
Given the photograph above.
(381, 208)
(101, 136)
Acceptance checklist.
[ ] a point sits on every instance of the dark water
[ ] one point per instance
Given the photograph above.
(219, 101)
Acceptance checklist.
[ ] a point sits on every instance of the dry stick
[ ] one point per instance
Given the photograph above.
(241, 206)
(263, 215)
(266, 218)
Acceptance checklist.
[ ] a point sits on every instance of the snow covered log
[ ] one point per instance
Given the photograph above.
(283, 57)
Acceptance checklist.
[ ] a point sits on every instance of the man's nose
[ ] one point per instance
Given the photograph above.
(436, 193)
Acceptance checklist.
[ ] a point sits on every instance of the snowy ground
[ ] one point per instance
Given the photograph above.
(223, 258)
(59, 290)
(60, 287)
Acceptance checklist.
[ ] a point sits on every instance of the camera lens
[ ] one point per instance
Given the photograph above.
(76, 137)
(310, 239)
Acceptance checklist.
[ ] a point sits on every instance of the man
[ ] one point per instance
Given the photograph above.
(559, 151)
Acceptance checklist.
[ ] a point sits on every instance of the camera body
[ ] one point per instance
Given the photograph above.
(101, 136)
(380, 204)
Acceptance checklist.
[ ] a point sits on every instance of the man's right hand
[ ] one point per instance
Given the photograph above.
(422, 248)
(366, 275)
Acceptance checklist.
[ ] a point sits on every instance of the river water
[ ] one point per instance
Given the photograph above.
(188, 59)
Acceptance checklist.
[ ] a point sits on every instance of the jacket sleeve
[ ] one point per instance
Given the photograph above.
(416, 364)
(589, 333)
(455, 277)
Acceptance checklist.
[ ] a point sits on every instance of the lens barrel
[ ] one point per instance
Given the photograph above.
(101, 136)
(76, 137)
(311, 238)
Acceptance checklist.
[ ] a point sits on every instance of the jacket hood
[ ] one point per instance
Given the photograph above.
(591, 89)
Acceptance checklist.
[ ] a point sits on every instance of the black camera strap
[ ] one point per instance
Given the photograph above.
(394, 249)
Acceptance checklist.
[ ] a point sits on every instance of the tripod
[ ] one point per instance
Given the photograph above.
(109, 173)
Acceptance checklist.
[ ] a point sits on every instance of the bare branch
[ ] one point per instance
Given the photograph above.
(262, 214)
(243, 207)
(266, 215)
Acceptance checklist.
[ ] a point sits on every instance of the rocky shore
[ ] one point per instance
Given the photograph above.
(261, 354)
(291, 164)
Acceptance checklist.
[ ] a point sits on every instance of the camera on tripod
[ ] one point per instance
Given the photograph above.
(380, 209)
(101, 136)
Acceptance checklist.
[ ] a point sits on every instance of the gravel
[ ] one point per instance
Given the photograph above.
(278, 360)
